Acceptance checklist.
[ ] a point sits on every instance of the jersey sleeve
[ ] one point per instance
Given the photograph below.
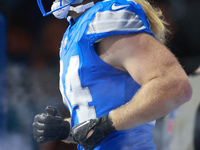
(118, 17)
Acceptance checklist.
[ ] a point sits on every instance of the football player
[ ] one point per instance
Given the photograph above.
(116, 76)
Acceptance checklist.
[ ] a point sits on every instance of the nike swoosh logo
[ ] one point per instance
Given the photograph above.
(114, 7)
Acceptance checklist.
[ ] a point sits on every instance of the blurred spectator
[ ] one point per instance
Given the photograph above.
(20, 105)
(32, 73)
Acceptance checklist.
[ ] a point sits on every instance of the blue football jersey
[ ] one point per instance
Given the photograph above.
(92, 88)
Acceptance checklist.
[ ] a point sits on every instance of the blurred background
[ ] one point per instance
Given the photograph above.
(29, 73)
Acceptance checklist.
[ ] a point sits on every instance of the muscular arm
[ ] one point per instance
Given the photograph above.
(165, 85)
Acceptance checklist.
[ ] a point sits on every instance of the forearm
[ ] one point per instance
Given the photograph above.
(154, 100)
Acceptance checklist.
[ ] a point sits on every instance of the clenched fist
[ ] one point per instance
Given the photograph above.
(50, 126)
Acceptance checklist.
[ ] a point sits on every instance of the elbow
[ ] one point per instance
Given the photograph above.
(188, 91)
(184, 90)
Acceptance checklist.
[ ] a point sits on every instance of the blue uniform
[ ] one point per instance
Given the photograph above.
(92, 88)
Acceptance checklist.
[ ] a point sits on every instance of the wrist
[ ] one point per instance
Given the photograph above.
(64, 133)
(115, 119)
(106, 124)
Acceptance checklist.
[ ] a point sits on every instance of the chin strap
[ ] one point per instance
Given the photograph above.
(81, 8)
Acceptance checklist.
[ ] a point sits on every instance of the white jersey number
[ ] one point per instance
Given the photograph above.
(76, 94)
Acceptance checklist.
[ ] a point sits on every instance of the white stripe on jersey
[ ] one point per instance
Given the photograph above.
(122, 20)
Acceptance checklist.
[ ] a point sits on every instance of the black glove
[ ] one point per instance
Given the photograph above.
(102, 127)
(50, 126)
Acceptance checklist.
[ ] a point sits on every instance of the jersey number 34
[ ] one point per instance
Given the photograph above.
(73, 94)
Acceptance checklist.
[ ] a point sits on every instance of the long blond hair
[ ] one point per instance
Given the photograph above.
(156, 20)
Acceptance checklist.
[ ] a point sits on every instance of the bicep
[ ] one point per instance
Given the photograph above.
(145, 59)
